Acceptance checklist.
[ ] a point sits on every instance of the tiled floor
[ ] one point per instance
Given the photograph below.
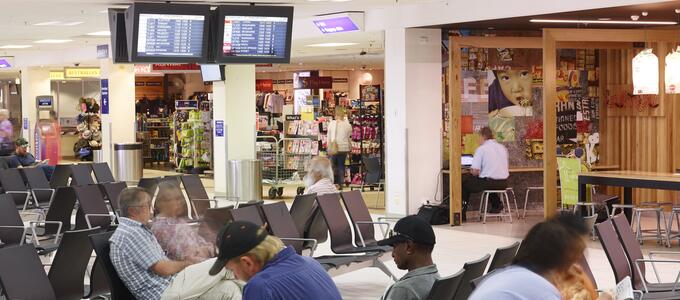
(456, 245)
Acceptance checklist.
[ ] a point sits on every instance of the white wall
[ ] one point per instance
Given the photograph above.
(413, 117)
(34, 82)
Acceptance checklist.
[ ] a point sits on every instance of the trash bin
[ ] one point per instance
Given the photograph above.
(128, 161)
(244, 179)
(98, 156)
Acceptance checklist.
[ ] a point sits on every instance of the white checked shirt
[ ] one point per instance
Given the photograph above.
(134, 250)
(491, 159)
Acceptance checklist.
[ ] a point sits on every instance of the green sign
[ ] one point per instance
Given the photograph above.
(569, 170)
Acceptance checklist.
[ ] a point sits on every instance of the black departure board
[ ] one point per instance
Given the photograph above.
(166, 35)
(254, 36)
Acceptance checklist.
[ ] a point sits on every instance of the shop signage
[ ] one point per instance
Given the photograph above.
(263, 65)
(569, 168)
(326, 82)
(340, 80)
(186, 104)
(105, 96)
(142, 68)
(336, 25)
(264, 85)
(645, 73)
(57, 75)
(566, 122)
(153, 83)
(293, 117)
(282, 81)
(139, 83)
(44, 101)
(289, 81)
(219, 128)
(25, 123)
(81, 72)
(102, 51)
(4, 64)
(175, 67)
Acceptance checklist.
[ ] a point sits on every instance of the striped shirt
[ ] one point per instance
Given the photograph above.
(134, 250)
(321, 187)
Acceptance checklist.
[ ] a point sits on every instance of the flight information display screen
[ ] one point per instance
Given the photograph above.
(255, 36)
(166, 35)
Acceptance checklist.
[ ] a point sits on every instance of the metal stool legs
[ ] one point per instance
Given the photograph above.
(670, 235)
(505, 200)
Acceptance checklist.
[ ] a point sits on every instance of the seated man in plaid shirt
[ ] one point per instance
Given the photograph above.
(147, 272)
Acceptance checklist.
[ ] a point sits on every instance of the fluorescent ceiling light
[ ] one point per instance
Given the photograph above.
(332, 44)
(52, 41)
(100, 33)
(603, 22)
(341, 0)
(15, 46)
(58, 23)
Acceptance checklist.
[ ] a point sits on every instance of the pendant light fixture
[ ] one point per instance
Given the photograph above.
(645, 73)
(673, 72)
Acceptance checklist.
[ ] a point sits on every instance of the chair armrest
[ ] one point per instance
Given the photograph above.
(638, 262)
(207, 200)
(389, 218)
(23, 231)
(314, 243)
(42, 189)
(87, 218)
(384, 232)
(17, 192)
(35, 234)
(652, 253)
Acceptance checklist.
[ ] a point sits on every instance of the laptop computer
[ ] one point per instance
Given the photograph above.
(466, 160)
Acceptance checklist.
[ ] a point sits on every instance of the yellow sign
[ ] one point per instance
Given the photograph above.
(56, 75)
(81, 72)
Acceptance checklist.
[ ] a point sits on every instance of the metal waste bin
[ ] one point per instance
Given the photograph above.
(128, 161)
(244, 179)
(98, 156)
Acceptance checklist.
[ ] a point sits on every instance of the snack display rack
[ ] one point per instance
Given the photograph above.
(192, 143)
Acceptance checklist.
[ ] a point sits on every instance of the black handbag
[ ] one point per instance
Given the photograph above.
(434, 214)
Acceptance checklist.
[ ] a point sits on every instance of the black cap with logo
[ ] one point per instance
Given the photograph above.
(410, 228)
(234, 240)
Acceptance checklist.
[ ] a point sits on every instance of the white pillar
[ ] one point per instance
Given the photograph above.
(413, 118)
(233, 104)
(119, 125)
(34, 82)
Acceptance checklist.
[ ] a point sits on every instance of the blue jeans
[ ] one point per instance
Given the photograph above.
(338, 162)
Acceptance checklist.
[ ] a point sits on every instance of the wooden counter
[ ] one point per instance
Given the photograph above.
(540, 169)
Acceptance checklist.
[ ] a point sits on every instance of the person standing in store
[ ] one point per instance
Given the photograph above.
(6, 133)
(489, 171)
(339, 144)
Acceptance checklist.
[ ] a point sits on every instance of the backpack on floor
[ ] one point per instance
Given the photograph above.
(434, 214)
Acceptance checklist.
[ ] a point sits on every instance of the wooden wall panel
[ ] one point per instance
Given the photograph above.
(642, 139)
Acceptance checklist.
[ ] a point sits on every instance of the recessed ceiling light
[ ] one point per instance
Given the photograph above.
(603, 22)
(604, 19)
(341, 0)
(100, 33)
(52, 41)
(58, 23)
(106, 11)
(15, 46)
(332, 44)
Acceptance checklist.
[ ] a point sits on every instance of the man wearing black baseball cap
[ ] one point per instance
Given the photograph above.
(271, 270)
(413, 240)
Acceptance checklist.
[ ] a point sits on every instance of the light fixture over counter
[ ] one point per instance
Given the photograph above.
(621, 22)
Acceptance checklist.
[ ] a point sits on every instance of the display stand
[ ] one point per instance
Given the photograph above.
(192, 143)
(155, 134)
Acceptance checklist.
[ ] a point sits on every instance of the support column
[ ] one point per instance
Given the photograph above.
(413, 118)
(34, 82)
(233, 104)
(118, 126)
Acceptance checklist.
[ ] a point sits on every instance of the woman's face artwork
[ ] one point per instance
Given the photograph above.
(516, 86)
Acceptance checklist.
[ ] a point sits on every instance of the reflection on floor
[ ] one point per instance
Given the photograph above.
(457, 245)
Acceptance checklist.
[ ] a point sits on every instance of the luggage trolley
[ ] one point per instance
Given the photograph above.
(284, 163)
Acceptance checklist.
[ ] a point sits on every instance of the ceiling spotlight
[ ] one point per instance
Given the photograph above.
(677, 10)
(644, 13)
(634, 17)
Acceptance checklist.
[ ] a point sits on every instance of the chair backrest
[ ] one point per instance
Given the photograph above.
(217, 217)
(176, 179)
(612, 247)
(70, 263)
(61, 209)
(631, 247)
(11, 180)
(590, 222)
(503, 256)
(149, 184)
(281, 224)
(248, 213)
(99, 284)
(583, 262)
(445, 288)
(91, 201)
(22, 274)
(358, 212)
(100, 243)
(9, 216)
(473, 270)
(60, 176)
(251, 203)
(338, 226)
(112, 190)
(102, 172)
(373, 170)
(302, 210)
(35, 177)
(81, 174)
(194, 187)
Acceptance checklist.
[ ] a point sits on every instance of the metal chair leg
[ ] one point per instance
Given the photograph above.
(526, 200)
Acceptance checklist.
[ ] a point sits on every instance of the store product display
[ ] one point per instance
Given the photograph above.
(193, 136)
(88, 128)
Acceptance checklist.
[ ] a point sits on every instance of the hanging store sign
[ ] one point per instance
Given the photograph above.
(340, 80)
(566, 122)
(645, 73)
(82, 72)
(102, 51)
(105, 96)
(673, 72)
(57, 75)
(186, 104)
(175, 67)
(142, 69)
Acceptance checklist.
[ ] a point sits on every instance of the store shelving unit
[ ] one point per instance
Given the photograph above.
(192, 142)
(155, 134)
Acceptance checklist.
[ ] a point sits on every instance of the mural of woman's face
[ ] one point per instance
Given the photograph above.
(516, 86)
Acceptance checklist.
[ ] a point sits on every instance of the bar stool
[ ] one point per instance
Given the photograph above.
(505, 212)
(660, 233)
(526, 198)
(514, 199)
(670, 235)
